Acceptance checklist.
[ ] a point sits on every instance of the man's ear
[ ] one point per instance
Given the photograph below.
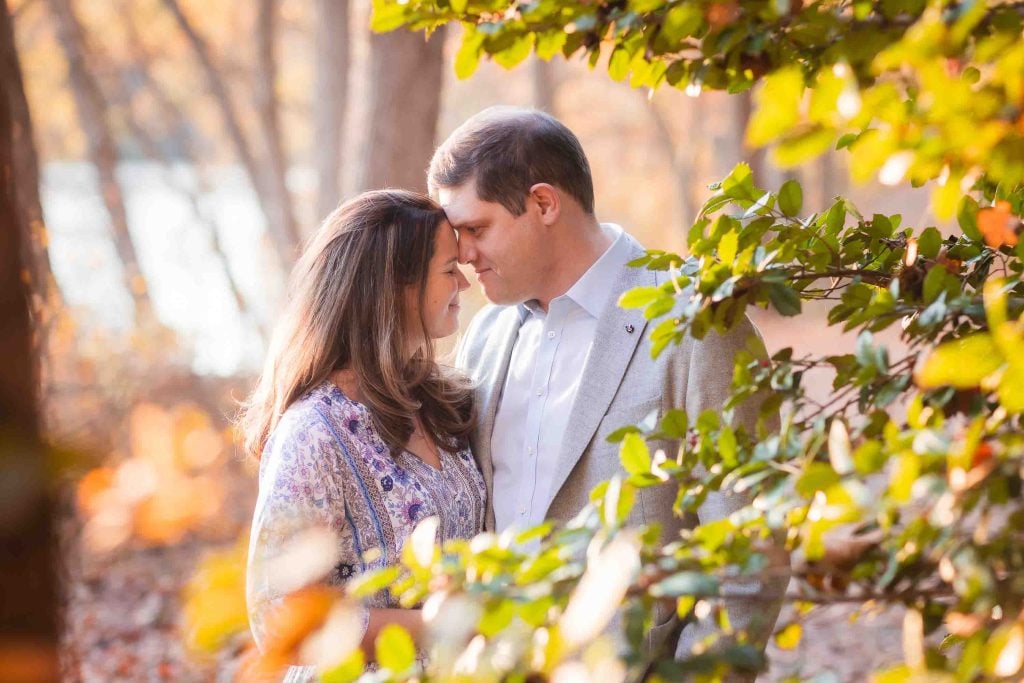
(549, 204)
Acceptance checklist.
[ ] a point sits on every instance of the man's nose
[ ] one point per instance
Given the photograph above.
(461, 278)
(466, 251)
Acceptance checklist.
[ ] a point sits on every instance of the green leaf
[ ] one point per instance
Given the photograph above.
(468, 56)
(368, 583)
(967, 217)
(620, 433)
(835, 219)
(727, 247)
(639, 297)
(685, 583)
(516, 52)
(682, 21)
(778, 106)
(929, 243)
(903, 476)
(550, 44)
(634, 454)
(387, 16)
(347, 671)
(727, 446)
(784, 298)
(791, 198)
(1011, 388)
(395, 649)
(1004, 652)
(618, 64)
(817, 477)
(675, 423)
(961, 363)
(846, 140)
(496, 618)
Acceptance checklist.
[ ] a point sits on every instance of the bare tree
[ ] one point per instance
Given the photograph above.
(329, 99)
(268, 115)
(92, 109)
(173, 118)
(405, 101)
(28, 587)
(285, 241)
(684, 159)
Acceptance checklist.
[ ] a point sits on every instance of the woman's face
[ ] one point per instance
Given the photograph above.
(440, 307)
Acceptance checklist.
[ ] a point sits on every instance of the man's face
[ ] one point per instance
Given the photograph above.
(505, 251)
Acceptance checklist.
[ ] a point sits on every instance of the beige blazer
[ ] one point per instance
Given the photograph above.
(621, 385)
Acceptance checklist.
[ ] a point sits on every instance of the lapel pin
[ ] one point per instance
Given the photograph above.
(629, 329)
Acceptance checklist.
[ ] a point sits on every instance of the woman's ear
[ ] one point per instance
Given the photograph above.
(549, 204)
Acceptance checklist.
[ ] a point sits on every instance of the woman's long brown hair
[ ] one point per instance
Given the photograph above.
(346, 309)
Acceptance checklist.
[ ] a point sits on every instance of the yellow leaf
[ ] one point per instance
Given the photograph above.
(789, 637)
(961, 363)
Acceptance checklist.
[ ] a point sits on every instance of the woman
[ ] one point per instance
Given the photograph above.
(357, 428)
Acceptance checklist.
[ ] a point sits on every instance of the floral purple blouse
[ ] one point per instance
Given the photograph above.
(325, 465)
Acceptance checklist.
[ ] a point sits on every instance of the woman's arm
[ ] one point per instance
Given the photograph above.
(409, 619)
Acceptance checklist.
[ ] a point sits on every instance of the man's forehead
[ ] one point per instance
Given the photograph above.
(460, 204)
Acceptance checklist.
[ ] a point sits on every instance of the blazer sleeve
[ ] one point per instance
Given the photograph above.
(752, 605)
(299, 490)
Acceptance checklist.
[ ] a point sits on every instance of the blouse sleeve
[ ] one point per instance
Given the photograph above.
(300, 488)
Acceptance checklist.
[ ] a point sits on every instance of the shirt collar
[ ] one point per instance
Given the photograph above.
(592, 290)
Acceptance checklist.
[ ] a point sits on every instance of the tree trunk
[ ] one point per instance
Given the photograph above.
(544, 85)
(405, 100)
(329, 98)
(28, 585)
(42, 286)
(755, 158)
(268, 115)
(93, 117)
(285, 243)
(685, 167)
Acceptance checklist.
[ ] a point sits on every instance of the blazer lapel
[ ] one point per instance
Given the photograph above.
(615, 339)
(490, 384)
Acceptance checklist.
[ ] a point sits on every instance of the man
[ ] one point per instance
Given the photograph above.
(558, 364)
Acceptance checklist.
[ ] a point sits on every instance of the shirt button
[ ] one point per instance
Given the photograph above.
(540, 392)
(551, 335)
(522, 511)
(529, 450)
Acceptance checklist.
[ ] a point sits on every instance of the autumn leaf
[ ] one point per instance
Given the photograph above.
(296, 618)
(722, 14)
(998, 225)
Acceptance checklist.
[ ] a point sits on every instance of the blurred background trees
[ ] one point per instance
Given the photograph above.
(185, 149)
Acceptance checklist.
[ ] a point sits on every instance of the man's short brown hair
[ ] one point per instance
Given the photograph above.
(508, 150)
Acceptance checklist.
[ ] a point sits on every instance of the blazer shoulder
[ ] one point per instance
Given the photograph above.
(478, 333)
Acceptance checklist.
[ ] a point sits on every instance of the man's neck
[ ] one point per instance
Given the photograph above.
(581, 248)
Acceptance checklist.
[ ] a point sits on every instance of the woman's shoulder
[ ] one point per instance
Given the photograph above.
(322, 411)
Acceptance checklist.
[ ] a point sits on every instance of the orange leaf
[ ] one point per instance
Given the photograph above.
(297, 617)
(997, 225)
(722, 14)
(92, 486)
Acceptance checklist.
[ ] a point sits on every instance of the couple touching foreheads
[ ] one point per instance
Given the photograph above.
(359, 429)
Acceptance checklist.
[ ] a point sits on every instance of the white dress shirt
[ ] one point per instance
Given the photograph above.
(543, 377)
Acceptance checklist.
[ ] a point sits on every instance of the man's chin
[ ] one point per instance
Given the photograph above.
(501, 298)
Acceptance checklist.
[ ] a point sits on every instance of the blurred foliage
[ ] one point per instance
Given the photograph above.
(903, 485)
(917, 90)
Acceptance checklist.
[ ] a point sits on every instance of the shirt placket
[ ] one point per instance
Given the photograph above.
(540, 387)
